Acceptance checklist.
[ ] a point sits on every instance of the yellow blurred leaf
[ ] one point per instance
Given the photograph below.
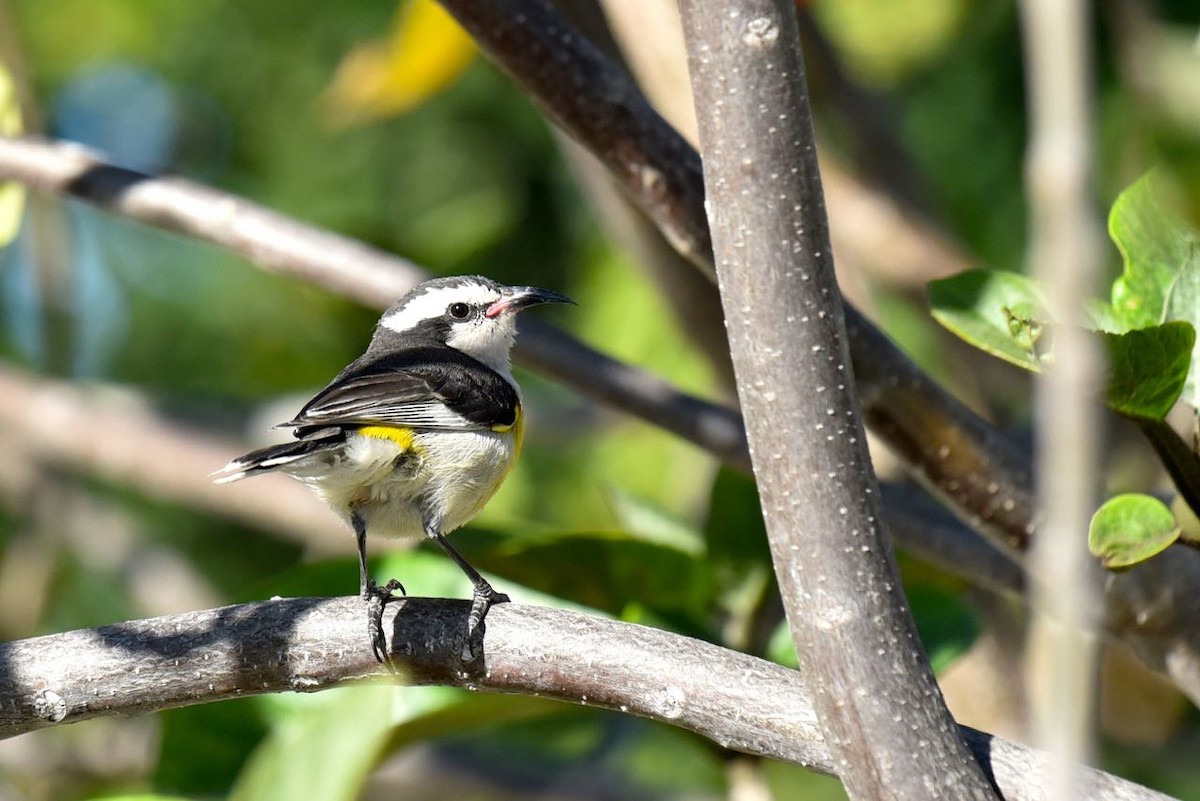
(12, 195)
(426, 52)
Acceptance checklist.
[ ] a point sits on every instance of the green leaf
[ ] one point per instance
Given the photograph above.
(12, 195)
(999, 312)
(735, 532)
(1148, 368)
(1131, 528)
(203, 748)
(650, 522)
(140, 797)
(324, 750)
(1161, 280)
(945, 622)
(602, 570)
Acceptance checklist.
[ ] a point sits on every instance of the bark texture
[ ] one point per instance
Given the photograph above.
(880, 708)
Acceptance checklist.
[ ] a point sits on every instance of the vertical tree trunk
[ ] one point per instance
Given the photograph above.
(880, 708)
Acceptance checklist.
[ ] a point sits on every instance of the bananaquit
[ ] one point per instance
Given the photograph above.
(416, 435)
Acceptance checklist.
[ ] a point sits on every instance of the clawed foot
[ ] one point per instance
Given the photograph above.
(377, 598)
(483, 600)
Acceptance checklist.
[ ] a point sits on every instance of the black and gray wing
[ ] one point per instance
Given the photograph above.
(424, 388)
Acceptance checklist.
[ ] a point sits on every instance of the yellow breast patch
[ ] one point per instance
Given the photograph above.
(403, 437)
(517, 427)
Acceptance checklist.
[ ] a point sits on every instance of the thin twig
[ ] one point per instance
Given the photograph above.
(117, 436)
(1065, 258)
(312, 644)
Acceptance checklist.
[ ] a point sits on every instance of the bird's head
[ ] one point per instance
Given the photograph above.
(471, 314)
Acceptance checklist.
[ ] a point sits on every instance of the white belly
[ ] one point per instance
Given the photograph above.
(445, 478)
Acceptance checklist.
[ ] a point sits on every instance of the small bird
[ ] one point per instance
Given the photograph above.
(418, 433)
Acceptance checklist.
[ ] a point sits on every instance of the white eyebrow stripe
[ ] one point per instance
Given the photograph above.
(433, 303)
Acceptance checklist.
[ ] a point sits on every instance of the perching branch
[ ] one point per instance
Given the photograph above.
(832, 555)
(312, 644)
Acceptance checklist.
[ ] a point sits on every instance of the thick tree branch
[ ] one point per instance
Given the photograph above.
(832, 555)
(312, 644)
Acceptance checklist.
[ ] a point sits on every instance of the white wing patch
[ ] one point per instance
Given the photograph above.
(429, 414)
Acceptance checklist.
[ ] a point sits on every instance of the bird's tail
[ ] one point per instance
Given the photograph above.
(273, 457)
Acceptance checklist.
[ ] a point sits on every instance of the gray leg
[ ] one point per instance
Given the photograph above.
(484, 595)
(377, 597)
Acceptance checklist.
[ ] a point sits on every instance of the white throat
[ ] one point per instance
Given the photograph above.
(488, 340)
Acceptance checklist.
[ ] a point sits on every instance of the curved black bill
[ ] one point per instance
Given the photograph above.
(522, 297)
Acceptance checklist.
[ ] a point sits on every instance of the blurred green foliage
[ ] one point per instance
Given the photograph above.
(602, 513)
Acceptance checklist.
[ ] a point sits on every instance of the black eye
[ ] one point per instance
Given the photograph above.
(459, 311)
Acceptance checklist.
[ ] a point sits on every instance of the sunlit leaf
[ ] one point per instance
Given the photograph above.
(643, 519)
(140, 797)
(1148, 368)
(1161, 281)
(1131, 528)
(999, 312)
(604, 570)
(325, 750)
(426, 52)
(202, 748)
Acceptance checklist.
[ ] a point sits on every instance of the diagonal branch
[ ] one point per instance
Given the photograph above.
(312, 644)
(348, 267)
(117, 436)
